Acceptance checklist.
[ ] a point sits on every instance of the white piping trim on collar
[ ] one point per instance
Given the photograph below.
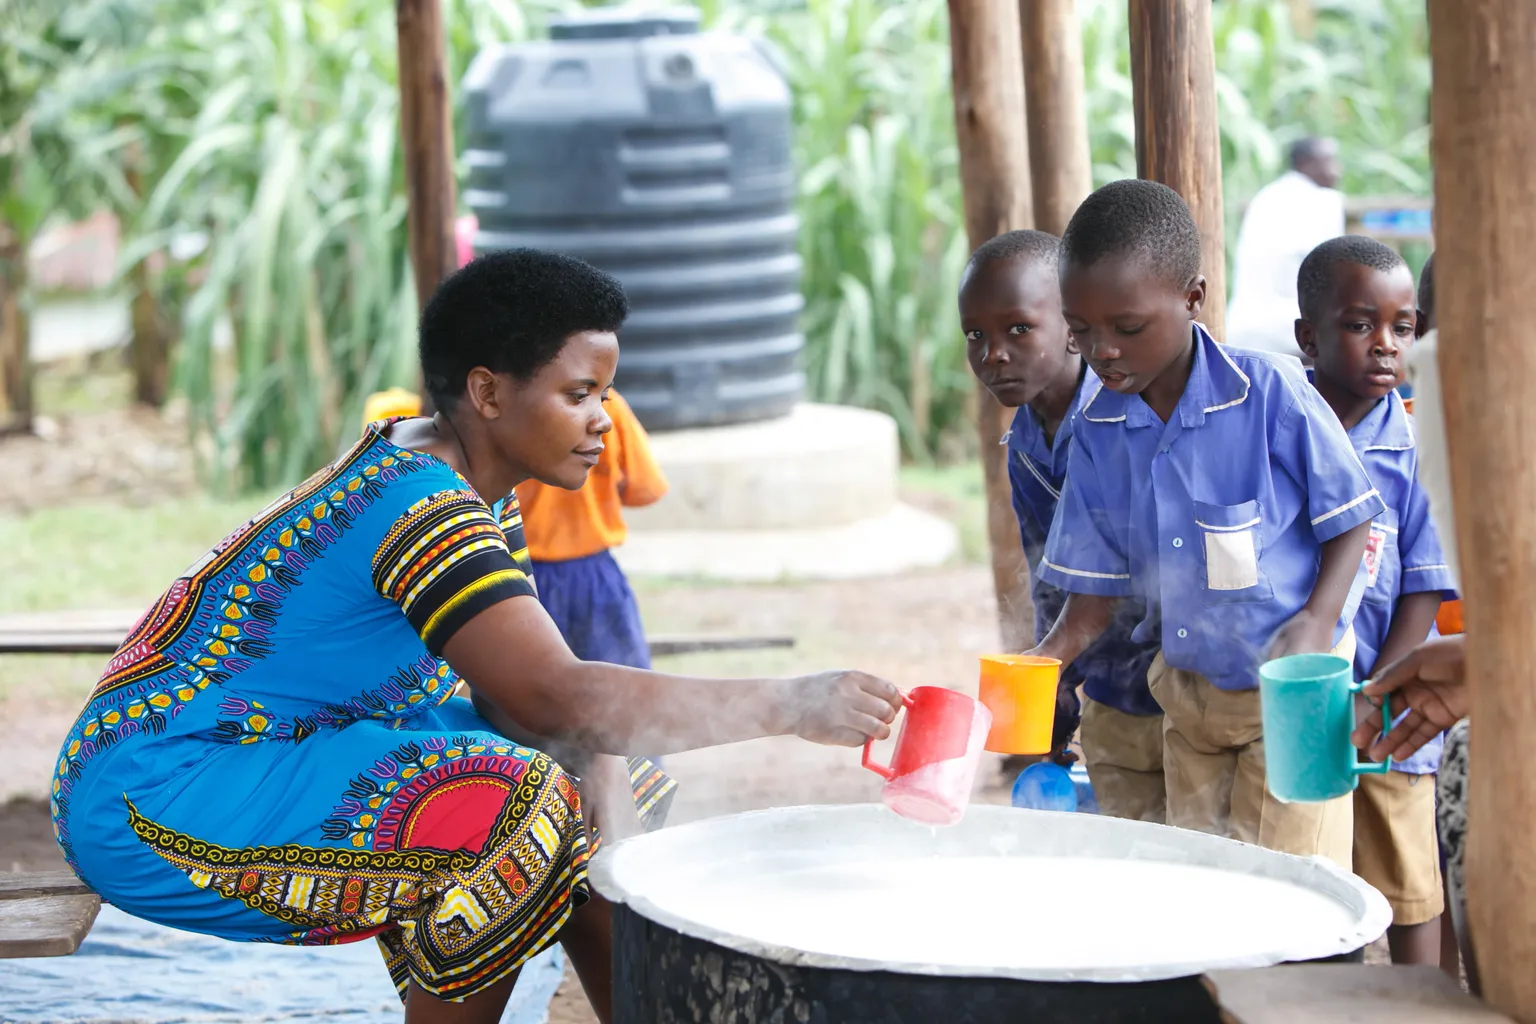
(1367, 496)
(1247, 384)
(1392, 398)
(1085, 573)
(1029, 464)
(1099, 419)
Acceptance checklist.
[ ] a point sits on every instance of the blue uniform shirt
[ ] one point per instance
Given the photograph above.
(1215, 518)
(1113, 670)
(1404, 555)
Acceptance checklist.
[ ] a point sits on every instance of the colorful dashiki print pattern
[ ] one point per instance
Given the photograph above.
(275, 754)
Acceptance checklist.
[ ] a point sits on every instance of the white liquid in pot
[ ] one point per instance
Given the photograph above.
(1006, 912)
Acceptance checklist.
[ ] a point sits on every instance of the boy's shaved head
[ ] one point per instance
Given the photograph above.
(1427, 292)
(1140, 220)
(1039, 247)
(1315, 280)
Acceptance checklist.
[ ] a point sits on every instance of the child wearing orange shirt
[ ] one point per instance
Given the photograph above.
(570, 535)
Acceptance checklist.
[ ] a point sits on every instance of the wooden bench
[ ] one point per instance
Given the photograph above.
(45, 914)
(102, 632)
(1345, 994)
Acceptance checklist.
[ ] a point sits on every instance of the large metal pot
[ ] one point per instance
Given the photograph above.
(747, 918)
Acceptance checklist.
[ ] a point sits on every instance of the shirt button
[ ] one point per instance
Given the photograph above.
(1178, 542)
(1183, 634)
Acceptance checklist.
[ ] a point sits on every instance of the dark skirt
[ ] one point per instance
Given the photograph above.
(591, 602)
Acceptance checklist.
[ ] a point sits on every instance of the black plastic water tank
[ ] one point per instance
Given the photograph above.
(662, 155)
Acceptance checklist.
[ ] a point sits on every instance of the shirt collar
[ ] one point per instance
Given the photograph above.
(1088, 385)
(1215, 383)
(1024, 425)
(1387, 427)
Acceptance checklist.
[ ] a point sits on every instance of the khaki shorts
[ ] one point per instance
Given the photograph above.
(1395, 846)
(1124, 757)
(1213, 760)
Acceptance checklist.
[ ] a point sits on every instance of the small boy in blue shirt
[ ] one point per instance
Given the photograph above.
(1217, 486)
(1358, 320)
(1019, 348)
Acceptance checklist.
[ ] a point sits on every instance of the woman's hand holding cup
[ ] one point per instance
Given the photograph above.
(843, 708)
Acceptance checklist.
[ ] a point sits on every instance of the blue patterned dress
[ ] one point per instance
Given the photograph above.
(276, 754)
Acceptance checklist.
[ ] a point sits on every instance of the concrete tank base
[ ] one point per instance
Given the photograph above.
(808, 496)
(902, 539)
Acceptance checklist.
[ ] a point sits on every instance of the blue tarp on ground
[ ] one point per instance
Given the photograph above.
(132, 972)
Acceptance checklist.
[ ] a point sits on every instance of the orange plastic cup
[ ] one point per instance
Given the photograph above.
(1020, 691)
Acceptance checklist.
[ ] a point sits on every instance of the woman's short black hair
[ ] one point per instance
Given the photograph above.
(511, 312)
(1136, 219)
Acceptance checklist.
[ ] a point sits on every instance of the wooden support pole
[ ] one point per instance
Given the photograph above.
(149, 345)
(1173, 79)
(15, 335)
(426, 140)
(1484, 146)
(986, 66)
(1060, 167)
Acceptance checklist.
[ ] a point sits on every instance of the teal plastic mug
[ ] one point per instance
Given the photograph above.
(1308, 706)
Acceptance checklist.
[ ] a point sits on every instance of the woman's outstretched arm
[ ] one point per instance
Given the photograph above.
(513, 655)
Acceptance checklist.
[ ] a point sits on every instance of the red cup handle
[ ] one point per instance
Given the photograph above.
(882, 770)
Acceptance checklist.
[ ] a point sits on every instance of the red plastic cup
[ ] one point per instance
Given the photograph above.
(933, 767)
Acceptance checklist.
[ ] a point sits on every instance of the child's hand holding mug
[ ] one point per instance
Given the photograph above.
(1303, 633)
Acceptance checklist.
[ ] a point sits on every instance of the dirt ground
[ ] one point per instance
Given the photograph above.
(94, 450)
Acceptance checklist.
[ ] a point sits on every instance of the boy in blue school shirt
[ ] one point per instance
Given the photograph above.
(1019, 348)
(1216, 485)
(1358, 320)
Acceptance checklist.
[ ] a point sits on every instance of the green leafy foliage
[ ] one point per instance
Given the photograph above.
(269, 128)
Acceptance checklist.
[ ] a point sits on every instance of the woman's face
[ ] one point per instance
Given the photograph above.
(550, 427)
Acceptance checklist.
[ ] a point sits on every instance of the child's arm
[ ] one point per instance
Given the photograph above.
(1085, 558)
(1411, 619)
(1425, 580)
(1082, 621)
(1310, 631)
(1311, 446)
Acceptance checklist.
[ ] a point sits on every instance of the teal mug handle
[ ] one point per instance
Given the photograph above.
(1375, 767)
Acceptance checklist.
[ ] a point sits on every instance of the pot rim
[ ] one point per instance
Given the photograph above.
(1372, 913)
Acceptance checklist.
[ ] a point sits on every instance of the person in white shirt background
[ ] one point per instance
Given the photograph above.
(1285, 220)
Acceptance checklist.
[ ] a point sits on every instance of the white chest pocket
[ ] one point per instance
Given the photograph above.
(1383, 563)
(1232, 536)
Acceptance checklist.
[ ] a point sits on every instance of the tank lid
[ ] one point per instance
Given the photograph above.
(626, 22)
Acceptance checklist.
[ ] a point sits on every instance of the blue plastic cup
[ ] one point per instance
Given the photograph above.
(1044, 786)
(1308, 707)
